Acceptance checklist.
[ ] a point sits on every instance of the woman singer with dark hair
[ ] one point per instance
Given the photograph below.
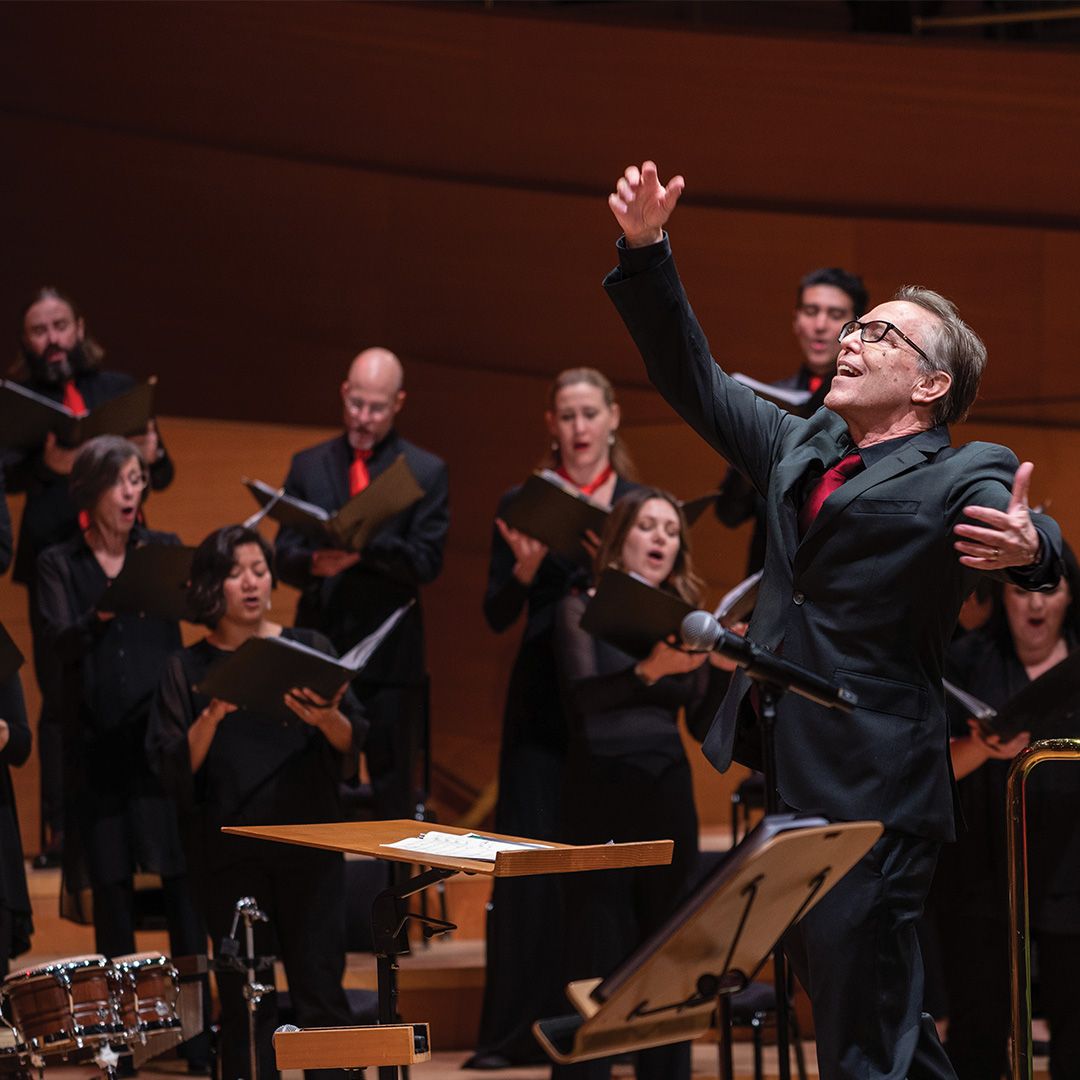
(118, 819)
(229, 766)
(524, 928)
(627, 777)
(1028, 634)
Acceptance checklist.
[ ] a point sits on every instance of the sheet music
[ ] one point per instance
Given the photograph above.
(460, 846)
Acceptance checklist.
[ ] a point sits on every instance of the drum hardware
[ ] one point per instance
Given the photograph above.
(85, 1008)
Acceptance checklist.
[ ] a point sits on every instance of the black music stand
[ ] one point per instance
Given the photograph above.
(668, 989)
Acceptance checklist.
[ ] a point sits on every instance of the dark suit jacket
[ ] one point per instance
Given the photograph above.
(869, 598)
(404, 554)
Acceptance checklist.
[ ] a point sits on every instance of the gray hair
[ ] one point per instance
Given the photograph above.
(957, 350)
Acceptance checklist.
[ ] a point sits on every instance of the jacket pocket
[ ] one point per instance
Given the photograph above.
(885, 695)
(885, 506)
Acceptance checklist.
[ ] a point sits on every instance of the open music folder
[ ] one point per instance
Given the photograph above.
(26, 417)
(259, 674)
(350, 527)
(631, 614)
(549, 510)
(1048, 707)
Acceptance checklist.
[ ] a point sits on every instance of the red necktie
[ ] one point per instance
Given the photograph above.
(73, 400)
(813, 384)
(358, 472)
(833, 478)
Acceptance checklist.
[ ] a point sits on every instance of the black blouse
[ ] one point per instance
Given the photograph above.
(112, 666)
(612, 712)
(258, 771)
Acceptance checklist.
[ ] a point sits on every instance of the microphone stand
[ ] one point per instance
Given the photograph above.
(773, 677)
(247, 908)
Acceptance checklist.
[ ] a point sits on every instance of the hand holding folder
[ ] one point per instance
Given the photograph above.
(263, 671)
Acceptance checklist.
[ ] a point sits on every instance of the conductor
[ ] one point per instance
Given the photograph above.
(877, 527)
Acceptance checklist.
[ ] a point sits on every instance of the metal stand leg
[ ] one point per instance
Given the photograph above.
(389, 918)
(769, 695)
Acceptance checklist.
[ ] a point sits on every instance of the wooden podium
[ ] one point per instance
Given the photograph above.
(392, 1046)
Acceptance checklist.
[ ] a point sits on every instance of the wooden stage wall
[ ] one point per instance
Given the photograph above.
(243, 195)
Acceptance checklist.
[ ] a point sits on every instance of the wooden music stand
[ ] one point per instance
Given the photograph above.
(390, 912)
(668, 989)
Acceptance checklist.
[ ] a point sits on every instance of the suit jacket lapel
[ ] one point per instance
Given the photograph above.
(911, 454)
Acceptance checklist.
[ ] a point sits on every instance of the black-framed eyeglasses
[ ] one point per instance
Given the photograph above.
(875, 330)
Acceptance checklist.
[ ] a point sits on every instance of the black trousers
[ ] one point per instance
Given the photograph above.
(857, 955)
(977, 977)
(524, 919)
(610, 912)
(302, 892)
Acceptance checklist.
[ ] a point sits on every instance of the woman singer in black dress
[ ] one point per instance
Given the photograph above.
(228, 766)
(627, 776)
(118, 820)
(524, 928)
(1030, 633)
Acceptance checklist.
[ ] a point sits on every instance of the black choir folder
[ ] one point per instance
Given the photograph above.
(11, 659)
(1048, 706)
(631, 614)
(153, 582)
(26, 418)
(549, 510)
(352, 526)
(260, 673)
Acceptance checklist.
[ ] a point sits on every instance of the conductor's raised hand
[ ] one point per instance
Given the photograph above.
(1005, 538)
(642, 205)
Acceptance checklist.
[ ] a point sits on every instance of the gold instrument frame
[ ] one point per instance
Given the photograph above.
(1019, 916)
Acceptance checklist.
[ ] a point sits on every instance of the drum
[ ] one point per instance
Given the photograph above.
(58, 1007)
(149, 988)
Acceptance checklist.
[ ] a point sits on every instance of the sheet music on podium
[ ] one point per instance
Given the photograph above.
(461, 846)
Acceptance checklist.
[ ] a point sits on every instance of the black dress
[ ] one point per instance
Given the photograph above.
(16, 924)
(970, 895)
(49, 517)
(117, 818)
(524, 922)
(260, 771)
(627, 779)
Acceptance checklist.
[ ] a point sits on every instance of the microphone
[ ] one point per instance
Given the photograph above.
(702, 633)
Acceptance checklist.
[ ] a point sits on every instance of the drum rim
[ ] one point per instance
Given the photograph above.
(70, 963)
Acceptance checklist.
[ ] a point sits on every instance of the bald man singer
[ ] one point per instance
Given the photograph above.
(345, 594)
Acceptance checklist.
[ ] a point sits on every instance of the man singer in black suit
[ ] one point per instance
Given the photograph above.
(876, 529)
(346, 595)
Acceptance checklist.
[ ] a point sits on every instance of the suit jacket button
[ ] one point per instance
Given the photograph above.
(798, 598)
